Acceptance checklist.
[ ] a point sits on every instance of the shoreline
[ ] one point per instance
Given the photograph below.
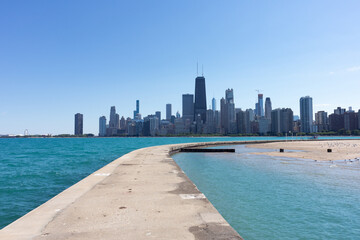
(341, 149)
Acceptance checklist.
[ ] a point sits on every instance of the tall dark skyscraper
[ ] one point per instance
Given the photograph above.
(137, 111)
(188, 107)
(78, 124)
(200, 98)
(168, 111)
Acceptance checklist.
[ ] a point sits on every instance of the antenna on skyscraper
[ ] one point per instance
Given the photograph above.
(202, 69)
(197, 68)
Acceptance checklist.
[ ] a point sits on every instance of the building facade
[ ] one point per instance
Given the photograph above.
(102, 126)
(168, 111)
(306, 114)
(188, 107)
(78, 124)
(200, 98)
(268, 108)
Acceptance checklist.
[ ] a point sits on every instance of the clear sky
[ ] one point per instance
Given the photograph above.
(58, 58)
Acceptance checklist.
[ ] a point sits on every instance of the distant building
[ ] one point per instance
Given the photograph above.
(213, 107)
(188, 107)
(249, 117)
(240, 121)
(122, 123)
(117, 121)
(168, 111)
(268, 108)
(113, 118)
(153, 127)
(224, 117)
(264, 125)
(114, 123)
(78, 124)
(137, 110)
(306, 114)
(102, 126)
(339, 111)
(281, 120)
(229, 96)
(158, 115)
(336, 120)
(227, 113)
(350, 120)
(200, 99)
(210, 126)
(260, 106)
(321, 121)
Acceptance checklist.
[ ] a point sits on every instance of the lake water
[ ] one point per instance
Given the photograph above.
(265, 197)
(34, 170)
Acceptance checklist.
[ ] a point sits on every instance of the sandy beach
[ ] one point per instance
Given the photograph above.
(316, 150)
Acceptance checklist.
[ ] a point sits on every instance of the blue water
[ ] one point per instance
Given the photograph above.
(265, 197)
(34, 170)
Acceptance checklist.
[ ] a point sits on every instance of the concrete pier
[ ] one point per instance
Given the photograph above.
(141, 195)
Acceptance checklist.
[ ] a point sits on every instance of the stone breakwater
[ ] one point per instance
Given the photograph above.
(141, 195)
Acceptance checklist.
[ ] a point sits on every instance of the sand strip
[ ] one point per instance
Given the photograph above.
(315, 150)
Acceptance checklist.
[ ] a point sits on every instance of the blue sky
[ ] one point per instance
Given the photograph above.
(58, 58)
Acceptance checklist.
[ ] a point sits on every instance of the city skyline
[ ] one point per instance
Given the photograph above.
(230, 120)
(69, 57)
(229, 96)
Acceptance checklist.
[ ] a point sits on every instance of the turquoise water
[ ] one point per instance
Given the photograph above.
(265, 197)
(35, 170)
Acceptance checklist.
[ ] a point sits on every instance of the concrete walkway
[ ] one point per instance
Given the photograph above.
(142, 195)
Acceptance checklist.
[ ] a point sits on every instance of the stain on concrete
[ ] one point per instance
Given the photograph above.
(212, 231)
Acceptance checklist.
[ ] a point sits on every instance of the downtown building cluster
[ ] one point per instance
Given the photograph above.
(196, 118)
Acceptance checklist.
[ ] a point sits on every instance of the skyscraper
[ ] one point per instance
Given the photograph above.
(224, 117)
(188, 107)
(260, 110)
(78, 124)
(306, 114)
(321, 121)
(268, 108)
(227, 113)
(122, 123)
(213, 107)
(102, 126)
(137, 111)
(200, 98)
(112, 122)
(168, 111)
(229, 95)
